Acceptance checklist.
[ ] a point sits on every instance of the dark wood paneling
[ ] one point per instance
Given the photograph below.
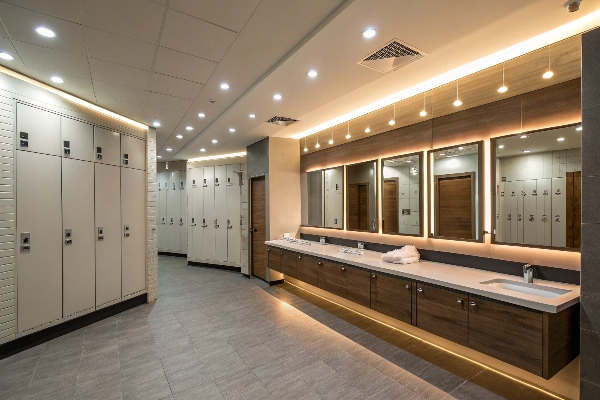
(506, 313)
(455, 208)
(358, 286)
(561, 339)
(448, 322)
(288, 263)
(258, 215)
(353, 205)
(438, 295)
(308, 270)
(391, 297)
(577, 210)
(332, 278)
(552, 106)
(274, 255)
(569, 211)
(390, 206)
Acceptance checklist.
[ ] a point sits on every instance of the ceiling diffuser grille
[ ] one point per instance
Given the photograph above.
(282, 121)
(395, 54)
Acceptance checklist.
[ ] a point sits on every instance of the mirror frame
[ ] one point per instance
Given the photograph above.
(421, 197)
(493, 183)
(347, 205)
(343, 196)
(481, 193)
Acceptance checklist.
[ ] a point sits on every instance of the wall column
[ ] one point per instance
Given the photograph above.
(151, 219)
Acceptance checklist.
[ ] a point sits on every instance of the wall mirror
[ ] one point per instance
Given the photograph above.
(361, 189)
(537, 182)
(401, 182)
(457, 183)
(323, 198)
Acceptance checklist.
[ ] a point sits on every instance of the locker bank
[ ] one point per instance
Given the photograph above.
(318, 199)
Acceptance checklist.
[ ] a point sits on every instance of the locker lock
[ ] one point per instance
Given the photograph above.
(100, 233)
(229, 182)
(163, 220)
(204, 223)
(216, 223)
(68, 236)
(23, 139)
(229, 226)
(216, 181)
(531, 217)
(180, 221)
(125, 159)
(126, 230)
(99, 153)
(193, 183)
(204, 184)
(171, 223)
(25, 241)
(67, 147)
(193, 223)
(180, 185)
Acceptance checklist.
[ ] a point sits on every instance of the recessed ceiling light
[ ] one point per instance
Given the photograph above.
(369, 33)
(188, 128)
(158, 156)
(201, 115)
(231, 130)
(156, 124)
(252, 115)
(312, 73)
(224, 86)
(45, 32)
(6, 56)
(561, 139)
(169, 149)
(203, 149)
(277, 97)
(523, 136)
(179, 136)
(57, 79)
(460, 148)
(501, 146)
(579, 128)
(526, 151)
(368, 130)
(215, 141)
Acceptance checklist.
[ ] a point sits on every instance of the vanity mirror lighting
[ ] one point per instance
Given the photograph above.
(323, 198)
(401, 188)
(456, 183)
(361, 201)
(537, 188)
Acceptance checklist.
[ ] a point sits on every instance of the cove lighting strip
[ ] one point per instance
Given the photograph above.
(73, 99)
(432, 344)
(207, 158)
(572, 28)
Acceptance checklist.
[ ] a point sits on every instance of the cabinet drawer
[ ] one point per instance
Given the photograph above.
(332, 278)
(506, 313)
(308, 270)
(445, 321)
(446, 297)
(358, 286)
(288, 263)
(274, 258)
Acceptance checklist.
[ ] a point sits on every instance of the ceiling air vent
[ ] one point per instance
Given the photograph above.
(282, 121)
(395, 54)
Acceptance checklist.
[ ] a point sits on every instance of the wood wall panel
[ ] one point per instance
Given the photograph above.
(552, 106)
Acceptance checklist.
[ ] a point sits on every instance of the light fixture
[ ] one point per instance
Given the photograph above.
(188, 128)
(45, 32)
(457, 102)
(369, 33)
(203, 149)
(579, 128)
(277, 97)
(523, 136)
(215, 141)
(442, 154)
(548, 74)
(231, 130)
(501, 146)
(560, 139)
(331, 140)
(6, 56)
(460, 148)
(348, 133)
(169, 149)
(156, 124)
(202, 115)
(526, 151)
(423, 113)
(312, 73)
(224, 86)
(179, 136)
(57, 79)
(408, 161)
(317, 145)
(503, 88)
(393, 120)
(158, 156)
(252, 115)
(368, 130)
(305, 148)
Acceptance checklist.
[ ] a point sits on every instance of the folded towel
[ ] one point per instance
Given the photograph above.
(406, 255)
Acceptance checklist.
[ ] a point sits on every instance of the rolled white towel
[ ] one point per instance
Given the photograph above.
(406, 255)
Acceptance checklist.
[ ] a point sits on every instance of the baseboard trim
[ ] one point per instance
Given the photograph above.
(167, 253)
(26, 342)
(277, 282)
(246, 275)
(215, 266)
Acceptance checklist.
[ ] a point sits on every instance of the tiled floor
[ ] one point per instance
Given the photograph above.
(217, 335)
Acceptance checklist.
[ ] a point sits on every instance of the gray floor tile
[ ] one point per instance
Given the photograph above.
(207, 391)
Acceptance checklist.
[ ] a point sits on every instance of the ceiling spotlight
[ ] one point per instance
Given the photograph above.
(215, 141)
(392, 122)
(57, 79)
(306, 149)
(6, 56)
(457, 102)
(45, 32)
(188, 128)
(330, 141)
(348, 136)
(460, 148)
(502, 89)
(573, 5)
(423, 113)
(156, 124)
(224, 86)
(317, 145)
(523, 136)
(560, 139)
(408, 161)
(158, 156)
(369, 33)
(252, 115)
(277, 97)
(442, 154)
(548, 74)
(201, 115)
(526, 151)
(312, 73)
(231, 130)
(579, 128)
(203, 149)
(368, 130)
(179, 136)
(169, 149)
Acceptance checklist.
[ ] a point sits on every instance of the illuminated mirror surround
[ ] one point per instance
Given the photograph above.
(456, 184)
(361, 197)
(536, 186)
(323, 198)
(401, 192)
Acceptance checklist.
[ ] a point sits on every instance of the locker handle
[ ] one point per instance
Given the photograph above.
(193, 223)
(216, 225)
(171, 223)
(163, 220)
(204, 223)
(229, 226)
(180, 221)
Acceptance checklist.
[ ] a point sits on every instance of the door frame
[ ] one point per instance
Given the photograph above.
(250, 222)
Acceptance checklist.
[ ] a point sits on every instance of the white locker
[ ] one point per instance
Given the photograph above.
(39, 225)
(133, 152)
(220, 213)
(163, 186)
(38, 131)
(529, 212)
(197, 219)
(175, 208)
(209, 213)
(544, 228)
(79, 264)
(133, 219)
(512, 215)
(77, 139)
(519, 187)
(500, 213)
(234, 227)
(107, 146)
(170, 242)
(182, 212)
(559, 212)
(108, 233)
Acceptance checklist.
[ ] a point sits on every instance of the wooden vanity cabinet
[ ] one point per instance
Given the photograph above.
(307, 270)
(392, 296)
(289, 261)
(274, 258)
(332, 278)
(358, 286)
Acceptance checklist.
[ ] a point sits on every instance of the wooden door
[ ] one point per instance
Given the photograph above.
(358, 206)
(258, 215)
(455, 205)
(573, 199)
(390, 205)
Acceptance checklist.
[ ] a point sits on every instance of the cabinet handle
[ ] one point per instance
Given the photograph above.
(472, 304)
(281, 253)
(268, 249)
(420, 289)
(459, 300)
(343, 269)
(319, 263)
(408, 287)
(373, 276)
(299, 257)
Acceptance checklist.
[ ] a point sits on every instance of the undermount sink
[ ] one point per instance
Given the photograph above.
(528, 288)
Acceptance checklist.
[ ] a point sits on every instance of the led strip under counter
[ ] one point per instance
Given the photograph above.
(450, 276)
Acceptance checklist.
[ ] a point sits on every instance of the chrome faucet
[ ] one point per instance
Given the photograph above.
(528, 273)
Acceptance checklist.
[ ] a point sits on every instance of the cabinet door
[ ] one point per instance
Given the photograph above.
(333, 278)
(443, 312)
(39, 273)
(514, 192)
(274, 258)
(78, 138)
(221, 213)
(79, 263)
(170, 212)
(108, 233)
(519, 188)
(182, 212)
(107, 146)
(163, 186)
(392, 296)
(175, 212)
(133, 211)
(358, 286)
(133, 152)
(308, 270)
(234, 211)
(209, 213)
(38, 131)
(530, 211)
(544, 228)
(288, 263)
(196, 221)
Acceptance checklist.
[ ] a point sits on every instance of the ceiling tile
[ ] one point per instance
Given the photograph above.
(129, 110)
(116, 92)
(21, 25)
(181, 33)
(137, 19)
(231, 14)
(58, 62)
(173, 86)
(3, 32)
(63, 9)
(119, 74)
(167, 102)
(162, 115)
(6, 46)
(80, 87)
(180, 65)
(120, 49)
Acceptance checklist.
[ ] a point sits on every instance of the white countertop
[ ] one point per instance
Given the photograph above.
(446, 275)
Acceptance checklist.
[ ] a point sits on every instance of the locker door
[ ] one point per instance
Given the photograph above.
(182, 212)
(234, 210)
(529, 212)
(544, 228)
(133, 152)
(197, 208)
(170, 243)
(107, 146)
(176, 211)
(209, 213)
(512, 215)
(39, 273)
(221, 213)
(108, 233)
(77, 139)
(500, 213)
(133, 234)
(38, 131)
(559, 212)
(162, 210)
(79, 264)
(519, 187)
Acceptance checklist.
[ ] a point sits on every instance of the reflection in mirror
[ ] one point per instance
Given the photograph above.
(334, 197)
(401, 199)
(362, 196)
(456, 192)
(323, 198)
(314, 181)
(538, 188)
